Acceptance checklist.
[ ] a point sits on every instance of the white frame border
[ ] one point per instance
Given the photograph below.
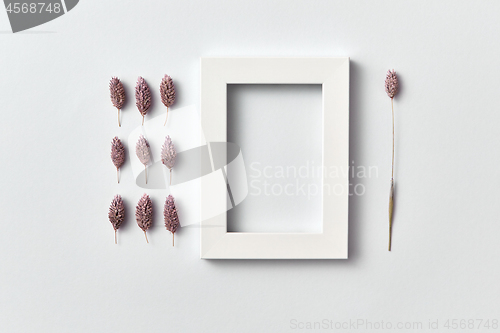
(333, 75)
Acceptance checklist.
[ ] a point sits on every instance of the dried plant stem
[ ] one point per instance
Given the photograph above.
(117, 176)
(119, 123)
(391, 193)
(146, 236)
(166, 118)
(392, 107)
(142, 120)
(115, 237)
(172, 239)
(170, 176)
(146, 173)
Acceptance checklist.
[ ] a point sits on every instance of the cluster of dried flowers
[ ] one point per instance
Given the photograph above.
(144, 214)
(142, 150)
(144, 208)
(142, 95)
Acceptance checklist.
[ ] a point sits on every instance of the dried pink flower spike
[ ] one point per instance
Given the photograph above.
(142, 97)
(117, 154)
(117, 93)
(391, 88)
(171, 217)
(168, 155)
(391, 83)
(143, 153)
(144, 213)
(167, 93)
(116, 213)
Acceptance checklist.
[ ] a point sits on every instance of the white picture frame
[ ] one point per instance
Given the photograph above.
(333, 75)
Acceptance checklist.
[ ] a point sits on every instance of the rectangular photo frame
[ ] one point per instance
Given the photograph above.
(333, 76)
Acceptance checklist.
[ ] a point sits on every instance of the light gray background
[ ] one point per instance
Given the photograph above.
(61, 272)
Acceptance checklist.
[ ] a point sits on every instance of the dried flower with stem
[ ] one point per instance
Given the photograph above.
(143, 153)
(167, 93)
(117, 155)
(168, 155)
(171, 217)
(116, 213)
(117, 93)
(142, 97)
(144, 214)
(391, 88)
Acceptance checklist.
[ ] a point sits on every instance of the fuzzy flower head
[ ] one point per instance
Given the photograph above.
(168, 153)
(117, 152)
(144, 212)
(116, 213)
(142, 96)
(117, 92)
(170, 215)
(167, 91)
(142, 150)
(391, 83)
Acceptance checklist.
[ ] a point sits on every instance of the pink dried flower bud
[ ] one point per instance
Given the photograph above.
(142, 150)
(168, 153)
(116, 213)
(117, 92)
(142, 96)
(171, 217)
(167, 91)
(391, 83)
(144, 213)
(117, 152)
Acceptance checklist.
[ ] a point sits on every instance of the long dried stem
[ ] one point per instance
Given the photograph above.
(392, 107)
(119, 123)
(166, 118)
(172, 239)
(115, 236)
(117, 176)
(146, 236)
(170, 176)
(391, 193)
(142, 120)
(146, 173)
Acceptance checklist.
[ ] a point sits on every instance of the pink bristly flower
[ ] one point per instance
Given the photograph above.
(143, 153)
(167, 93)
(142, 97)
(116, 213)
(168, 155)
(171, 217)
(391, 83)
(117, 154)
(117, 94)
(144, 214)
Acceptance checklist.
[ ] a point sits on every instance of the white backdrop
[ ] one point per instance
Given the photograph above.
(61, 272)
